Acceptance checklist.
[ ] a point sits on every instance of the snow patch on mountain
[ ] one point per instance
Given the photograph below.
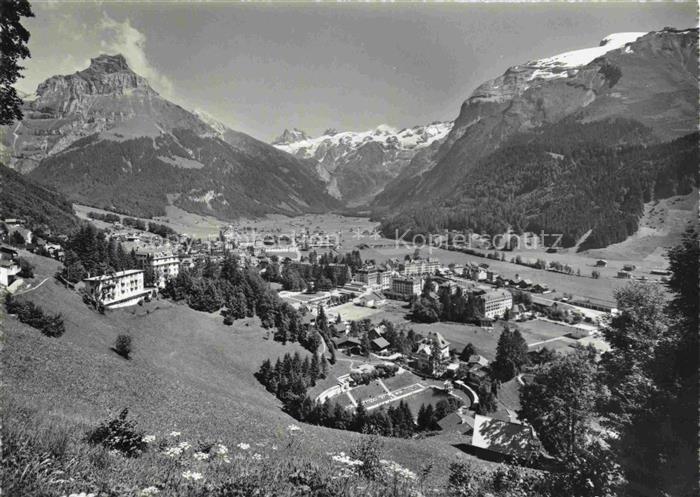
(555, 66)
(408, 139)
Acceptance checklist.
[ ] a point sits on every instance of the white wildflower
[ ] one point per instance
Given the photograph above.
(395, 469)
(257, 457)
(173, 452)
(175, 433)
(184, 445)
(243, 446)
(149, 492)
(220, 450)
(293, 428)
(81, 494)
(342, 458)
(274, 447)
(149, 439)
(192, 475)
(200, 456)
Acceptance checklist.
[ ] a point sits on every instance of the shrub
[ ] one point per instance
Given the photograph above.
(29, 313)
(228, 320)
(119, 434)
(122, 345)
(369, 451)
(27, 269)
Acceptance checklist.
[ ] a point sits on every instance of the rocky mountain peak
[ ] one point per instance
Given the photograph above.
(109, 63)
(291, 136)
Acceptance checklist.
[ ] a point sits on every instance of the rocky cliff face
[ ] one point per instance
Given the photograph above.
(650, 78)
(104, 137)
(357, 165)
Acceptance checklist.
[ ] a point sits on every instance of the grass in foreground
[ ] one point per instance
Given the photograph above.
(45, 455)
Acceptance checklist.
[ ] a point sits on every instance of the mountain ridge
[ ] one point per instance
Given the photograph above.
(104, 137)
(651, 79)
(358, 164)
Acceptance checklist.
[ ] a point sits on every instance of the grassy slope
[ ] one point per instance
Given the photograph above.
(26, 199)
(188, 372)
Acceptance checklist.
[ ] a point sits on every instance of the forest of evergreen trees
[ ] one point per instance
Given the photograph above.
(88, 251)
(318, 272)
(290, 378)
(240, 292)
(568, 179)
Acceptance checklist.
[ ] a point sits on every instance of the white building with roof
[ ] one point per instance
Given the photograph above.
(165, 264)
(495, 303)
(120, 289)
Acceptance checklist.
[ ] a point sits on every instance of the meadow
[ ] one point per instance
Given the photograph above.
(188, 372)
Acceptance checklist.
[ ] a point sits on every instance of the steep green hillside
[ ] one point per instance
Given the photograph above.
(39, 206)
(567, 179)
(188, 373)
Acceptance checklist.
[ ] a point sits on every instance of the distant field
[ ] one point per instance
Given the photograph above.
(352, 312)
(181, 221)
(538, 330)
(484, 340)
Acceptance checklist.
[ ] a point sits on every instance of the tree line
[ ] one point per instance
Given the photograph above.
(643, 392)
(597, 179)
(239, 292)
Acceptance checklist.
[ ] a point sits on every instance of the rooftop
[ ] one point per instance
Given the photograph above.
(118, 274)
(504, 437)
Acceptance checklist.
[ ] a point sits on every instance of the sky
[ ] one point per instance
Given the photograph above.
(261, 68)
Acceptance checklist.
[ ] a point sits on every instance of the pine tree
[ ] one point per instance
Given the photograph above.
(324, 367)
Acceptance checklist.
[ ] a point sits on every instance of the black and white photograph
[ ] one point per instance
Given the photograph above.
(349, 249)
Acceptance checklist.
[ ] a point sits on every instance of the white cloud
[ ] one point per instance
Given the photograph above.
(123, 38)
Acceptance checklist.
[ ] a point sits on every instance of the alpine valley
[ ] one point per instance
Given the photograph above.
(575, 143)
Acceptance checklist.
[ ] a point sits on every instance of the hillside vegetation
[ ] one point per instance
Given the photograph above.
(188, 372)
(38, 206)
(587, 177)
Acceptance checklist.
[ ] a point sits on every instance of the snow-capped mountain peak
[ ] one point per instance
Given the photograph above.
(581, 57)
(357, 164)
(407, 138)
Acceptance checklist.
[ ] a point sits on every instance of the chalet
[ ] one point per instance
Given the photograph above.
(377, 332)
(372, 300)
(379, 344)
(504, 439)
(540, 288)
(458, 421)
(478, 360)
(8, 254)
(345, 342)
(601, 263)
(625, 275)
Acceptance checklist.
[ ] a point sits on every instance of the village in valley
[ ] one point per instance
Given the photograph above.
(265, 249)
(445, 344)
